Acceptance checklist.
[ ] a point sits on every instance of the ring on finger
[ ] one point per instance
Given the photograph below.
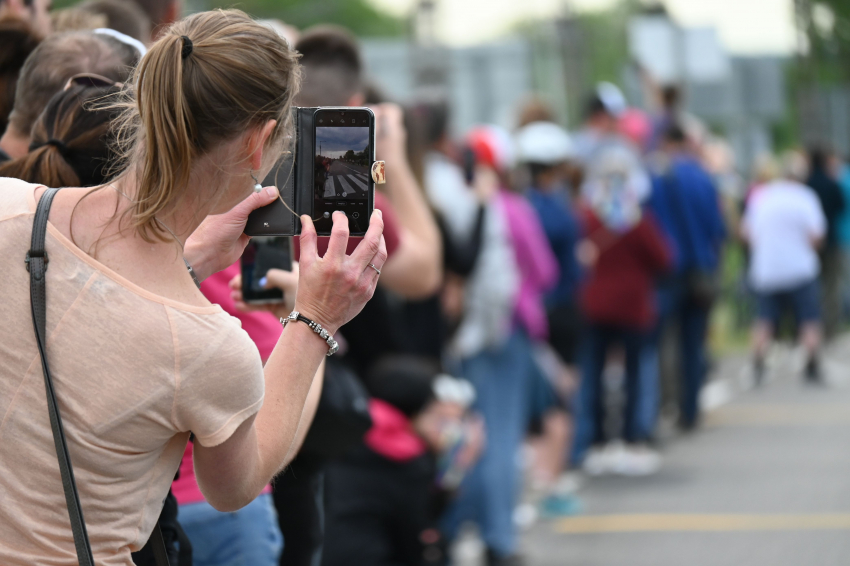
(372, 265)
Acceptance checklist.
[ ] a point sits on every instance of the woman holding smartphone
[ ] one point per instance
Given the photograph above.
(139, 357)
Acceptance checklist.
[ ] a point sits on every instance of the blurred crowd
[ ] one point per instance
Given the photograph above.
(546, 300)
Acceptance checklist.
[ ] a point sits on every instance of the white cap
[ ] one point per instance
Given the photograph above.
(545, 143)
(453, 390)
(612, 98)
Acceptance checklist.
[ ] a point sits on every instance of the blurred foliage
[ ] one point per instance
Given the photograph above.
(826, 25)
(605, 33)
(357, 15)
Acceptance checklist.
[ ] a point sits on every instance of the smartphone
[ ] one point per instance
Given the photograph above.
(261, 254)
(343, 153)
(329, 168)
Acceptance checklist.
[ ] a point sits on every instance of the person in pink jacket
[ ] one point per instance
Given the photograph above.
(505, 375)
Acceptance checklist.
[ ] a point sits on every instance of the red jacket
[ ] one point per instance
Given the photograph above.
(619, 289)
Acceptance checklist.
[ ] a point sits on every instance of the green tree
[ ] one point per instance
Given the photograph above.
(826, 27)
(357, 15)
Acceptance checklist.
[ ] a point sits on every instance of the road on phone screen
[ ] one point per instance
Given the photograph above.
(346, 180)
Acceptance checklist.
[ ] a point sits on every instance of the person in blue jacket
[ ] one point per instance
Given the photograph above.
(686, 203)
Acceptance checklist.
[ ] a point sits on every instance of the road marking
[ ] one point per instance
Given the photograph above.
(701, 523)
(346, 187)
(361, 184)
(351, 168)
(329, 187)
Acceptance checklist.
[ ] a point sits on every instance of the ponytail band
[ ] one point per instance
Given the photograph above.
(58, 144)
(188, 46)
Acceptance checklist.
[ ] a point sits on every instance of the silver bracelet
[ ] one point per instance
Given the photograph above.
(333, 346)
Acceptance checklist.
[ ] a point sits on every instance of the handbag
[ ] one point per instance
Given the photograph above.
(702, 286)
(36, 262)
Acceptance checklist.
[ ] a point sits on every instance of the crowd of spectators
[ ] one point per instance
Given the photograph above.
(531, 284)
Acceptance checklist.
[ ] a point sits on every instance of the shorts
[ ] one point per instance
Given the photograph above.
(803, 301)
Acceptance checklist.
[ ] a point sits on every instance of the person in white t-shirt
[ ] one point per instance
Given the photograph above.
(784, 226)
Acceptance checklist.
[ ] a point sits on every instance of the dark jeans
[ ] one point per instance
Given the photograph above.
(650, 385)
(590, 426)
(693, 327)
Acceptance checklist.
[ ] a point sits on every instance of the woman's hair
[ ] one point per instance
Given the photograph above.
(209, 78)
(76, 19)
(70, 141)
(17, 41)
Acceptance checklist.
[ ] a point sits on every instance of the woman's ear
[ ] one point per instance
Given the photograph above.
(257, 142)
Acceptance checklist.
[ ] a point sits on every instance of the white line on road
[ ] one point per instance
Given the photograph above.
(329, 188)
(360, 183)
(347, 189)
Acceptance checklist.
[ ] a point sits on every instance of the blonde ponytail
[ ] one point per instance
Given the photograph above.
(235, 74)
(165, 165)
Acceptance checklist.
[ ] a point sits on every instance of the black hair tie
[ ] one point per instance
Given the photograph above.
(188, 46)
(58, 144)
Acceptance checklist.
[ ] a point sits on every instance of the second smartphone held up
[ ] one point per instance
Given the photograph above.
(262, 254)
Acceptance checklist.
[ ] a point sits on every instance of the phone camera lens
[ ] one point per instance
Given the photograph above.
(320, 120)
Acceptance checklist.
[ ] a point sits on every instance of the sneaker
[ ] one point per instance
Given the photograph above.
(598, 461)
(525, 516)
(638, 461)
(555, 506)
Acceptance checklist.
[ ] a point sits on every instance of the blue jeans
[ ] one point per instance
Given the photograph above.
(489, 493)
(590, 405)
(248, 537)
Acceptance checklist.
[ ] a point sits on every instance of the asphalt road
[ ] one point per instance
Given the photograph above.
(765, 482)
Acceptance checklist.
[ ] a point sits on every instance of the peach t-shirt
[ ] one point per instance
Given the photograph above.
(134, 373)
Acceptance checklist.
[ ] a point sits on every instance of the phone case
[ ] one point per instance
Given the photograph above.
(294, 183)
(294, 179)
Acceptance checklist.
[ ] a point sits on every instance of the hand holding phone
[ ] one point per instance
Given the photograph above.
(261, 255)
(287, 281)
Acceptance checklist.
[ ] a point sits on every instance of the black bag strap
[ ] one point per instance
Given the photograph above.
(36, 262)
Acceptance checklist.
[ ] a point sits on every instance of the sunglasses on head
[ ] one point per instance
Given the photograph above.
(90, 80)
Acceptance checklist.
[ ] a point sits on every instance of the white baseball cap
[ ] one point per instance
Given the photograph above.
(545, 143)
(612, 98)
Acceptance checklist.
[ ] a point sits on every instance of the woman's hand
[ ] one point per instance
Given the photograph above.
(220, 239)
(334, 288)
(286, 281)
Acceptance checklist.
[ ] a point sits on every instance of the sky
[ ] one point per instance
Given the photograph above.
(335, 142)
(745, 26)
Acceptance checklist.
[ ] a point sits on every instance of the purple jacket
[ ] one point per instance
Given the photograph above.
(538, 266)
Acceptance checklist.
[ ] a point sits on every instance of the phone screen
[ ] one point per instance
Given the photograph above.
(342, 177)
(261, 254)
